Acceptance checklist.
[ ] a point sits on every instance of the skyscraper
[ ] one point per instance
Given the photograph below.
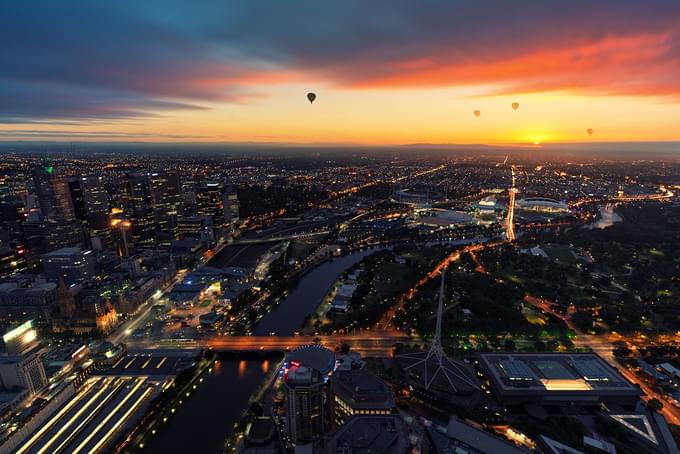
(75, 188)
(304, 404)
(97, 209)
(209, 201)
(56, 206)
(167, 202)
(230, 205)
(139, 209)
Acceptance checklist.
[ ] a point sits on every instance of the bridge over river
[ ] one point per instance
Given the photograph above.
(367, 343)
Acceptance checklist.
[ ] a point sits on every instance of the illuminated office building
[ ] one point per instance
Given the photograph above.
(56, 206)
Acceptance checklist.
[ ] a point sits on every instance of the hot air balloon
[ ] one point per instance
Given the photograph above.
(590, 131)
(477, 113)
(515, 105)
(311, 97)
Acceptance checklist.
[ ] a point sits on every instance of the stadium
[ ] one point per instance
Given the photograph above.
(542, 205)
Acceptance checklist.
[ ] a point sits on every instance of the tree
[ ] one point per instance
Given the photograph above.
(509, 345)
(655, 404)
(622, 352)
(583, 319)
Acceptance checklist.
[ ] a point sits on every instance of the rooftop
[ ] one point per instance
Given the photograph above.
(315, 356)
(370, 434)
(159, 362)
(459, 437)
(65, 251)
(553, 372)
(302, 376)
(362, 388)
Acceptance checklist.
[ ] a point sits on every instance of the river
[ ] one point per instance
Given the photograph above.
(608, 217)
(290, 315)
(203, 422)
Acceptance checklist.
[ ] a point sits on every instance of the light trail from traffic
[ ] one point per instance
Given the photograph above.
(602, 346)
(510, 219)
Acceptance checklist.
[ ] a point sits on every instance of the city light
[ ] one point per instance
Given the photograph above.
(355, 224)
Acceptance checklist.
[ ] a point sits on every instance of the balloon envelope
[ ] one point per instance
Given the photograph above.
(477, 113)
(515, 105)
(589, 131)
(311, 97)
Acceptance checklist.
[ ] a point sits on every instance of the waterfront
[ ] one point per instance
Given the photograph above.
(289, 316)
(207, 418)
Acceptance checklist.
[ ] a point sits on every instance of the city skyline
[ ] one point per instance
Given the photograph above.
(340, 227)
(383, 76)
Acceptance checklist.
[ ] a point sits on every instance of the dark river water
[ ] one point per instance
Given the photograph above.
(203, 421)
(289, 316)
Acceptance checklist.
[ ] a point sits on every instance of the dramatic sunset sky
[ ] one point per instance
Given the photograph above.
(385, 72)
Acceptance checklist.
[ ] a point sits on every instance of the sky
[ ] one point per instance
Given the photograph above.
(384, 71)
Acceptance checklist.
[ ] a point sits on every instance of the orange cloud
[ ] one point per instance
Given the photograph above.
(642, 64)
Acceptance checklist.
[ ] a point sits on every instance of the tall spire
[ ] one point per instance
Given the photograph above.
(66, 301)
(437, 341)
(434, 363)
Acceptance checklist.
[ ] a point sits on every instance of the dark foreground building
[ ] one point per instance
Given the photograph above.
(556, 379)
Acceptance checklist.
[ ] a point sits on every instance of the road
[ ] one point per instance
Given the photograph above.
(420, 174)
(510, 219)
(280, 238)
(141, 315)
(368, 343)
(385, 322)
(664, 195)
(137, 319)
(601, 345)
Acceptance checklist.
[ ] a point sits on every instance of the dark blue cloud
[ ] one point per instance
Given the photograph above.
(99, 59)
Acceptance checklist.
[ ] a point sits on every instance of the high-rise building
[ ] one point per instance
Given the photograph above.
(19, 339)
(12, 188)
(12, 260)
(167, 202)
(75, 188)
(70, 264)
(139, 209)
(199, 228)
(95, 195)
(209, 201)
(56, 206)
(20, 364)
(96, 204)
(230, 206)
(304, 404)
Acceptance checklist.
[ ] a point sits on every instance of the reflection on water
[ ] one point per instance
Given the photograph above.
(608, 217)
(290, 315)
(205, 420)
